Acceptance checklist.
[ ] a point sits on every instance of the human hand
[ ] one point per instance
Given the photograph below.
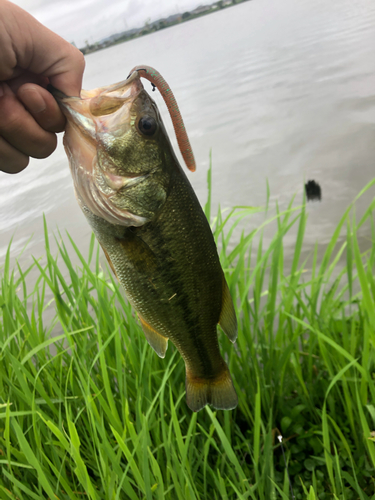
(31, 56)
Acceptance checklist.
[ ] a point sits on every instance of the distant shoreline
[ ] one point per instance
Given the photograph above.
(159, 25)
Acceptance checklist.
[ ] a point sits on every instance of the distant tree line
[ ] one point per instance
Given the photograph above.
(158, 25)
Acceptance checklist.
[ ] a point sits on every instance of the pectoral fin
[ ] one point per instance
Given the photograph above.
(156, 341)
(228, 320)
(138, 253)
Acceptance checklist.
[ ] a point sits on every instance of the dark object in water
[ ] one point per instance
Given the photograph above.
(313, 191)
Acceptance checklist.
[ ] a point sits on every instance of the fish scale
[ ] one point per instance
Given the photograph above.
(152, 229)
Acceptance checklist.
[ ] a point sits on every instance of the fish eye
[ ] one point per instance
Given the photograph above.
(147, 125)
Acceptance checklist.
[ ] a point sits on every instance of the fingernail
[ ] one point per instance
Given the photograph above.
(33, 101)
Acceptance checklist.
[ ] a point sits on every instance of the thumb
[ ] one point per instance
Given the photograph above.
(66, 72)
(43, 52)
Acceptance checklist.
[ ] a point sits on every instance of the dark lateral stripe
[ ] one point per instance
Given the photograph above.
(189, 313)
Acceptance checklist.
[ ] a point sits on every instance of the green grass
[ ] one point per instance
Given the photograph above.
(88, 410)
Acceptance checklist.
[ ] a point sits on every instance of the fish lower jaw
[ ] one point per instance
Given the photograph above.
(100, 205)
(120, 217)
(117, 182)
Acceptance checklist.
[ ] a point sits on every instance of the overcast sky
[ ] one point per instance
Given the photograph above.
(92, 20)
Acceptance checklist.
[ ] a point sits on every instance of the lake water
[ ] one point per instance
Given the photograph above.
(283, 91)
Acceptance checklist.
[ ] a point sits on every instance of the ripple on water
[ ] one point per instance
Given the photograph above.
(282, 91)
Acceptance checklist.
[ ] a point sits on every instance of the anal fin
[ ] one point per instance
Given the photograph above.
(156, 341)
(228, 320)
(218, 391)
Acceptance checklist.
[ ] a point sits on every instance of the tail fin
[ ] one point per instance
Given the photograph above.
(218, 392)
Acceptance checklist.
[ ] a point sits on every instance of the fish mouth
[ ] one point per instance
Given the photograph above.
(94, 109)
(100, 116)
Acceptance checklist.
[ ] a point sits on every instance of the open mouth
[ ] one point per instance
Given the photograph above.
(100, 116)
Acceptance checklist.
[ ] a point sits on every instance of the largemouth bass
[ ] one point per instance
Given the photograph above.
(151, 227)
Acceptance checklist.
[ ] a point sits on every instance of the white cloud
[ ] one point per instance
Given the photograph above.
(92, 20)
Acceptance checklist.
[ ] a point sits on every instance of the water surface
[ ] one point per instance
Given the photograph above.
(283, 91)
